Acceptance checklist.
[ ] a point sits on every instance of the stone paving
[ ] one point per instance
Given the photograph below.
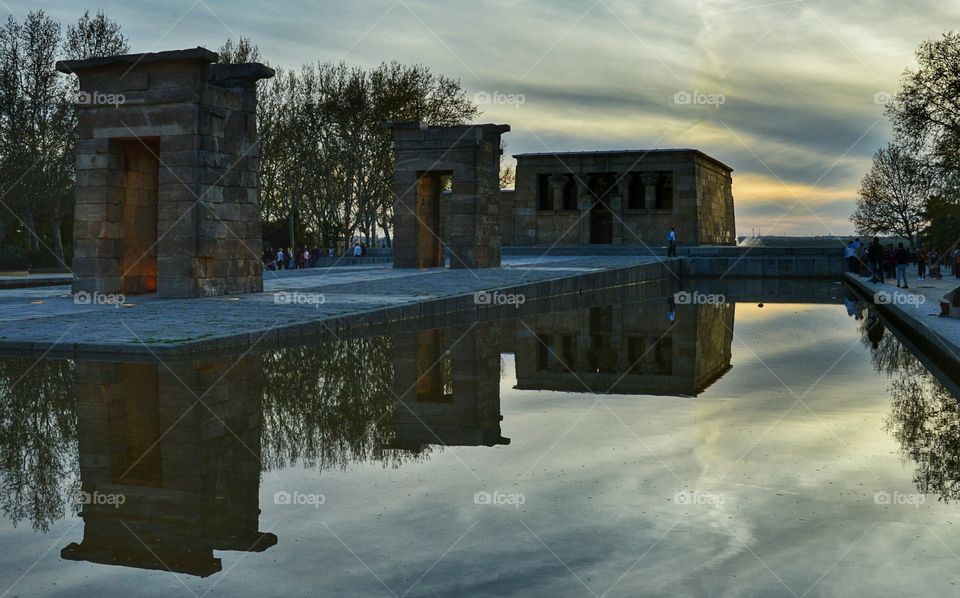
(921, 315)
(51, 319)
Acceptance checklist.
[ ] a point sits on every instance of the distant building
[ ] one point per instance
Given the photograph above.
(619, 198)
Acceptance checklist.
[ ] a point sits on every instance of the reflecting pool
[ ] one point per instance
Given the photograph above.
(646, 447)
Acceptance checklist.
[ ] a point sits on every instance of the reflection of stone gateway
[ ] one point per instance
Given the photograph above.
(448, 385)
(167, 181)
(189, 476)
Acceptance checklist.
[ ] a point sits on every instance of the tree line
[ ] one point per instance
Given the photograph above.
(325, 152)
(326, 159)
(913, 187)
(38, 131)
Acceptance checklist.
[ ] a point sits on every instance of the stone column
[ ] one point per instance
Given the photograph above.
(650, 190)
(616, 200)
(585, 199)
(556, 190)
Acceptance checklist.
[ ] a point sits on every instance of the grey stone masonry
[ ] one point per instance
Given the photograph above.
(620, 198)
(425, 155)
(167, 195)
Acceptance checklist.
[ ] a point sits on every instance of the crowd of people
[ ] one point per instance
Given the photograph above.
(880, 262)
(301, 258)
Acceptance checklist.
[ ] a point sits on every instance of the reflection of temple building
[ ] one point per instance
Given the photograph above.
(189, 475)
(633, 348)
(448, 386)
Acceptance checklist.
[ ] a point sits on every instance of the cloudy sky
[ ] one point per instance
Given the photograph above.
(788, 93)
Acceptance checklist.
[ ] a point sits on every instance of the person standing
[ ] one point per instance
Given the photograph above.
(850, 255)
(922, 265)
(357, 249)
(902, 257)
(875, 253)
(863, 257)
(672, 243)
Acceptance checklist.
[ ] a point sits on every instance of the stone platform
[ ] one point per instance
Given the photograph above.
(342, 301)
(26, 280)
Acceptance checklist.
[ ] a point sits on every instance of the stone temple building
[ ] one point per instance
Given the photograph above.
(618, 198)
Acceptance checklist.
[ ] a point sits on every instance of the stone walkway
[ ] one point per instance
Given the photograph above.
(23, 280)
(294, 303)
(920, 314)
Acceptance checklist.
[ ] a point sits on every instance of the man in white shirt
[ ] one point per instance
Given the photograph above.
(672, 243)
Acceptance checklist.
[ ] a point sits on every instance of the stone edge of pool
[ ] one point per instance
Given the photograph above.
(942, 334)
(561, 292)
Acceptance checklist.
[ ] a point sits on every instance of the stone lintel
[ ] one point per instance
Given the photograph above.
(197, 54)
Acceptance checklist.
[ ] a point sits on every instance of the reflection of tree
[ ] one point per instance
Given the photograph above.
(38, 430)
(924, 419)
(889, 356)
(926, 422)
(325, 406)
(329, 405)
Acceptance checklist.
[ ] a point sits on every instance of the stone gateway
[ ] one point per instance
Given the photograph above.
(167, 195)
(425, 219)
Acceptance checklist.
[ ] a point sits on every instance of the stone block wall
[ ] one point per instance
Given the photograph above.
(714, 187)
(701, 210)
(180, 139)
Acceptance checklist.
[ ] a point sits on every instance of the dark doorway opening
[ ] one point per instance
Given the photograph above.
(601, 216)
(141, 183)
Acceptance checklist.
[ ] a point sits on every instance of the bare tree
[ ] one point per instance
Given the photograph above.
(239, 52)
(893, 195)
(38, 125)
(94, 38)
(926, 111)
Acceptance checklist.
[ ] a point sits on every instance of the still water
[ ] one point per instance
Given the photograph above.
(621, 450)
